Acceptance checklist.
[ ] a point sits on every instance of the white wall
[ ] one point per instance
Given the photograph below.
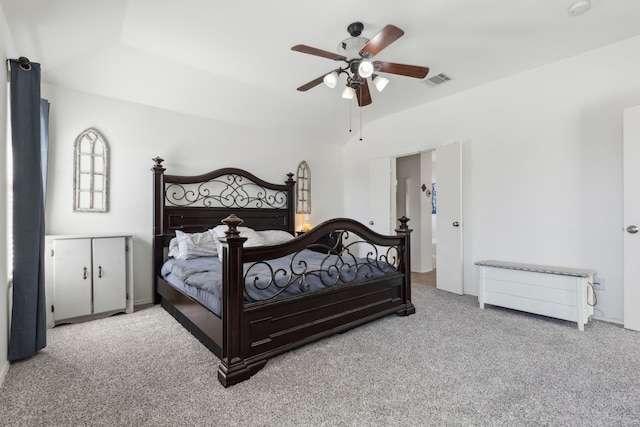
(543, 157)
(190, 145)
(5, 52)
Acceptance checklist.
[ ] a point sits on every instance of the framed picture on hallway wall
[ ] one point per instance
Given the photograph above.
(433, 198)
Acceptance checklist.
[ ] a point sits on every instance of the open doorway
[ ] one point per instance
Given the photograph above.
(446, 227)
(415, 192)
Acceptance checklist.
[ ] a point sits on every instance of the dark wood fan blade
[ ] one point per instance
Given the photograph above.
(363, 94)
(311, 84)
(384, 38)
(318, 52)
(401, 69)
(315, 82)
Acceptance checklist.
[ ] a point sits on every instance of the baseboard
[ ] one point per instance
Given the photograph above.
(604, 319)
(143, 302)
(3, 372)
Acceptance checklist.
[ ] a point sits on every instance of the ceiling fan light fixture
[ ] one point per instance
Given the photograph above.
(357, 53)
(380, 82)
(348, 93)
(365, 69)
(331, 79)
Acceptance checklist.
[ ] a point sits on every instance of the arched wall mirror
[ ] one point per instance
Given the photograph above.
(303, 189)
(91, 172)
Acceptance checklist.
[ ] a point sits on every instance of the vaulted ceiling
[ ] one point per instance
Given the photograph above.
(232, 61)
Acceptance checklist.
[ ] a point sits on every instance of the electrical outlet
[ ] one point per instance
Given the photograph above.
(598, 283)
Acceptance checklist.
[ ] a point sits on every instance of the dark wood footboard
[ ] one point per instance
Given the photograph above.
(256, 332)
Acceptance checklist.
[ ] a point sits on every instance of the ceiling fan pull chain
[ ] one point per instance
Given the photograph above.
(360, 124)
(350, 114)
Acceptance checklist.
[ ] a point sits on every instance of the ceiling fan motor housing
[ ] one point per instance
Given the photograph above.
(351, 47)
(355, 29)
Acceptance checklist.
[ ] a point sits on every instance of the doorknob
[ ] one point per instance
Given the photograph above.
(632, 229)
(456, 224)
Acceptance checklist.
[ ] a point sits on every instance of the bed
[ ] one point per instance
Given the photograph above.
(273, 292)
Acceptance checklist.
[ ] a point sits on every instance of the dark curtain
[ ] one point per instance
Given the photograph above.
(44, 146)
(28, 317)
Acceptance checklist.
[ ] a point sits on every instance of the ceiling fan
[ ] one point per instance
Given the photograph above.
(357, 52)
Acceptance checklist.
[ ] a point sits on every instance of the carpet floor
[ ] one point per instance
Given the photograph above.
(450, 364)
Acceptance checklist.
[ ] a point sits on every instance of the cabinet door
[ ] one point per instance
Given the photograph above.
(109, 274)
(72, 278)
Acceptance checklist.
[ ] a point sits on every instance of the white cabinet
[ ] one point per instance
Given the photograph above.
(87, 277)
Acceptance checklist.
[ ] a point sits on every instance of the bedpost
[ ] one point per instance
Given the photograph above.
(158, 226)
(291, 202)
(232, 368)
(405, 260)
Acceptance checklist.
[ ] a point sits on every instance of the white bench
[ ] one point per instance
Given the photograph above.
(559, 292)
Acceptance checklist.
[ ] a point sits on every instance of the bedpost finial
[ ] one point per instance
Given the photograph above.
(403, 225)
(158, 164)
(232, 221)
(290, 178)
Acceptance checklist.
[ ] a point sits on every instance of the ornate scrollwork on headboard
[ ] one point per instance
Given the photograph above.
(228, 191)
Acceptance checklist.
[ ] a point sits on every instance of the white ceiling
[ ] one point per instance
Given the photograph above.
(231, 61)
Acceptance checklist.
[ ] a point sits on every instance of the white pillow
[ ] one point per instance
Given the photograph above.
(193, 245)
(275, 237)
(173, 247)
(253, 238)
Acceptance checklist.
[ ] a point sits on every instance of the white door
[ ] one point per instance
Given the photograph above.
(72, 278)
(109, 274)
(631, 217)
(382, 182)
(448, 172)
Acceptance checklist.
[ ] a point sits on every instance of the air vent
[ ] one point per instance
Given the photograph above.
(439, 79)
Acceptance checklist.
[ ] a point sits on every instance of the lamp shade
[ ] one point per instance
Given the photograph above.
(380, 82)
(331, 79)
(348, 93)
(365, 69)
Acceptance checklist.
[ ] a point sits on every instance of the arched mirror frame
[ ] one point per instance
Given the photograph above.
(303, 189)
(91, 172)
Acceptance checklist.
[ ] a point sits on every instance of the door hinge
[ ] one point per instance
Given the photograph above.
(126, 248)
(127, 296)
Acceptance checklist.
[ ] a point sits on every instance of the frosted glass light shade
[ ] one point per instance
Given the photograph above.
(348, 93)
(380, 82)
(331, 79)
(365, 69)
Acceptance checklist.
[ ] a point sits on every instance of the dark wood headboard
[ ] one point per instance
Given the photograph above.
(200, 202)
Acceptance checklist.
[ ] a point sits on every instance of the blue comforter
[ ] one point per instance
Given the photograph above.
(290, 275)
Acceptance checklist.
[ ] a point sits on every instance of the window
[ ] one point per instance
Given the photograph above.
(303, 189)
(91, 177)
